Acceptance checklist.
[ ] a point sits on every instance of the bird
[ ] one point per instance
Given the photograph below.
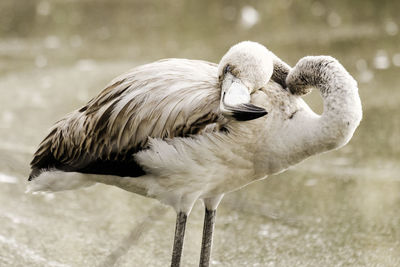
(181, 130)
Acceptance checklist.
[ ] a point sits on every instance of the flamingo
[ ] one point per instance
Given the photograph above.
(180, 130)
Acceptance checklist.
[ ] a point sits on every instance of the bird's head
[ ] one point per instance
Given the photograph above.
(250, 62)
(245, 68)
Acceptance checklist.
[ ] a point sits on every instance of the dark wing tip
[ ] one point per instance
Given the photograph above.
(34, 173)
(246, 112)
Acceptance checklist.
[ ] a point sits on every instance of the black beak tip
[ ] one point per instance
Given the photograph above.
(248, 112)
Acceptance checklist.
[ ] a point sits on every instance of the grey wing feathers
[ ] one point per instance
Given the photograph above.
(165, 99)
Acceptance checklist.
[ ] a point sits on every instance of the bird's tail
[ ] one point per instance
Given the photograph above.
(53, 181)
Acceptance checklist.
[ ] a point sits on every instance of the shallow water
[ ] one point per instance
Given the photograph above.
(338, 209)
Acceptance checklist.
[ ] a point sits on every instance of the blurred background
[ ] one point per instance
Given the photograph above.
(337, 209)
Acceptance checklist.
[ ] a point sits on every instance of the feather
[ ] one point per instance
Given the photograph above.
(165, 99)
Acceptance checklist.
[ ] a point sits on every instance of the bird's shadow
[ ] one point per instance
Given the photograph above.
(134, 236)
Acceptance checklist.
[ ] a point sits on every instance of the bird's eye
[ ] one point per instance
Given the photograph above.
(227, 68)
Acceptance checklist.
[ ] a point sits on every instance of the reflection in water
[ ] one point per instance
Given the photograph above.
(249, 17)
(341, 208)
(4, 178)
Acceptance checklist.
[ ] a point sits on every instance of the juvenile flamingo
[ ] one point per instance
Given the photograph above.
(179, 130)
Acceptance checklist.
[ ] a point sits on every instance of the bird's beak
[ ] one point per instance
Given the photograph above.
(235, 100)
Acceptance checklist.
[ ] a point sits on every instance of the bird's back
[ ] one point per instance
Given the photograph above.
(165, 99)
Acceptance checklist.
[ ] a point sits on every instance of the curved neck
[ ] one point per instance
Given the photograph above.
(306, 133)
(342, 105)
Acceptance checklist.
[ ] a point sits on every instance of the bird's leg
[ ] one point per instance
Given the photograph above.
(206, 244)
(208, 228)
(178, 240)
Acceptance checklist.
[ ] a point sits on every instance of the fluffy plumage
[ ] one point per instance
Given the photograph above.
(159, 100)
(162, 120)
